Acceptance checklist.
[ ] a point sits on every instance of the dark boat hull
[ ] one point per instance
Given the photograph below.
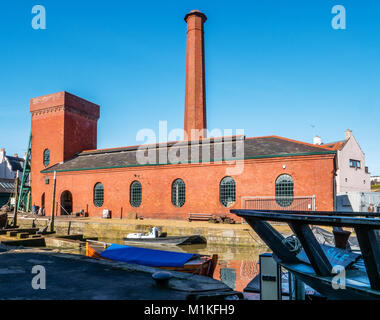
(177, 241)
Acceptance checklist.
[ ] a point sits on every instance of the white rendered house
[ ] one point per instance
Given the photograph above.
(9, 165)
(351, 175)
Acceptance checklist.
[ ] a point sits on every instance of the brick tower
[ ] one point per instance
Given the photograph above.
(62, 125)
(195, 92)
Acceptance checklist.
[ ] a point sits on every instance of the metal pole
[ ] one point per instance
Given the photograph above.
(53, 203)
(296, 288)
(28, 202)
(14, 223)
(270, 278)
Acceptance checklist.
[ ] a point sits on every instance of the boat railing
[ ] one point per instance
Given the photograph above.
(327, 213)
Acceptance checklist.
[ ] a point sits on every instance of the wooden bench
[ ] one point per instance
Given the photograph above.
(200, 216)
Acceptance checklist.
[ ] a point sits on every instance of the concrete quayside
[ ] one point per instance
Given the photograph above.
(237, 264)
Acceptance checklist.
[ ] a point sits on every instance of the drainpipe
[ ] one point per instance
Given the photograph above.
(334, 186)
(53, 203)
(335, 174)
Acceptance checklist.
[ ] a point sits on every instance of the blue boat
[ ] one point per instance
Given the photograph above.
(168, 260)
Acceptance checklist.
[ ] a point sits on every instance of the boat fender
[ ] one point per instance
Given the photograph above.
(162, 278)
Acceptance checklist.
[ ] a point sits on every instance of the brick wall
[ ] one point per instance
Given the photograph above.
(64, 124)
(313, 175)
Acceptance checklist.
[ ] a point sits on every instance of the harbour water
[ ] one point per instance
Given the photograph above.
(237, 265)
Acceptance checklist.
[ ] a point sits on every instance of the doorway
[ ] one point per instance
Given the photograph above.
(66, 203)
(43, 204)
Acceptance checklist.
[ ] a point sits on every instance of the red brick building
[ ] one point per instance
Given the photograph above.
(234, 172)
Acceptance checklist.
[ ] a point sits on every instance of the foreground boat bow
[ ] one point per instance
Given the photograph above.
(362, 275)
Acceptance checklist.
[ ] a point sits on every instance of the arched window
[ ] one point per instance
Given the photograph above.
(284, 190)
(227, 191)
(46, 157)
(178, 193)
(98, 195)
(135, 194)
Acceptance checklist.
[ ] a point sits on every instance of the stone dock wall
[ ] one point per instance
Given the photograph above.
(226, 234)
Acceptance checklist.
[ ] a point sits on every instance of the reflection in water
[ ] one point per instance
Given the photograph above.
(248, 270)
(237, 265)
(228, 276)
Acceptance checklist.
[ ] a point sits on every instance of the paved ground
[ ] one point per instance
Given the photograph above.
(76, 277)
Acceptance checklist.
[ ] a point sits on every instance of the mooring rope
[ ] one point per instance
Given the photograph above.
(292, 243)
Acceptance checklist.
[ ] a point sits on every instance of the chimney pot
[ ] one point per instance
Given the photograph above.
(348, 134)
(317, 140)
(197, 13)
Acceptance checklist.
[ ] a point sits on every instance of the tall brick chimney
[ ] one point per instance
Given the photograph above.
(195, 92)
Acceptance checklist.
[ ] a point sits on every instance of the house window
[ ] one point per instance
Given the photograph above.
(178, 193)
(227, 191)
(46, 157)
(98, 195)
(284, 190)
(355, 164)
(135, 194)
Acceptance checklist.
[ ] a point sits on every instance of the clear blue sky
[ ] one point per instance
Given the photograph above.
(272, 67)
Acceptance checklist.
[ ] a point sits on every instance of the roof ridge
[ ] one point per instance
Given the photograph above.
(15, 158)
(159, 144)
(188, 142)
(292, 140)
(339, 141)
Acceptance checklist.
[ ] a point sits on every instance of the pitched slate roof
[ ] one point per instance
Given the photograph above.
(338, 145)
(6, 185)
(16, 163)
(175, 152)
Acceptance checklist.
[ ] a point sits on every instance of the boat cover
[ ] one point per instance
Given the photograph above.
(336, 256)
(146, 257)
